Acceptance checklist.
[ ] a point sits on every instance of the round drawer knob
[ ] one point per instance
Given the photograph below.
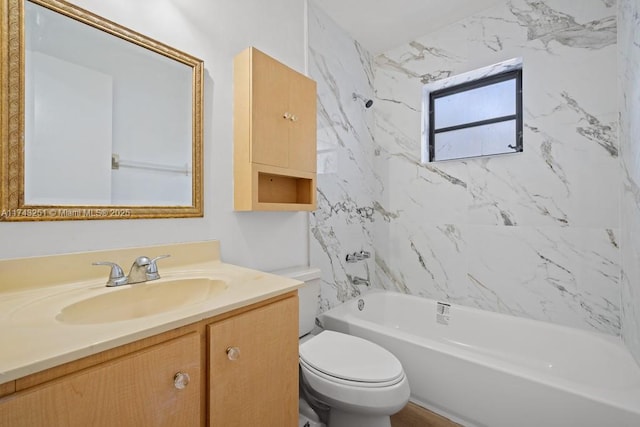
(287, 115)
(181, 380)
(233, 353)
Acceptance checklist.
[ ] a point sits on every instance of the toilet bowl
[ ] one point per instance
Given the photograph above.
(349, 381)
(360, 382)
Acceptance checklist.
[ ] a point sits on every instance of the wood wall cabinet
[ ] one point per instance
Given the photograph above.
(143, 383)
(274, 135)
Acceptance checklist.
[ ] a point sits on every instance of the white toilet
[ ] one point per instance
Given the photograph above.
(361, 383)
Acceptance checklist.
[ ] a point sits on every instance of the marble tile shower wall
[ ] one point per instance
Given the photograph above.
(534, 234)
(629, 80)
(346, 180)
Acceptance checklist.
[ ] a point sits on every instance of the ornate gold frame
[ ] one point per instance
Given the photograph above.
(12, 206)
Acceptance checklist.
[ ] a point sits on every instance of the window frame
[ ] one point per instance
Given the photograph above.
(514, 74)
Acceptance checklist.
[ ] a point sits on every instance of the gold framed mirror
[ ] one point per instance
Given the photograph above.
(97, 120)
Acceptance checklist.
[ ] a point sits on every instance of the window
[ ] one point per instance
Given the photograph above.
(478, 117)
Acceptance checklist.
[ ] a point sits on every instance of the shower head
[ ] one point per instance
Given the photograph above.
(367, 102)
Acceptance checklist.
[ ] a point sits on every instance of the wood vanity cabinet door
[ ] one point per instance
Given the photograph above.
(269, 105)
(134, 390)
(260, 387)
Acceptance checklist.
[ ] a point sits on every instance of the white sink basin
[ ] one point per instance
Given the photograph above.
(140, 300)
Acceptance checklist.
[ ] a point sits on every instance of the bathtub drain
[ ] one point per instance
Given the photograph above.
(360, 304)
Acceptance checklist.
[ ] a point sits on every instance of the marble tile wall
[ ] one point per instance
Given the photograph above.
(535, 234)
(342, 223)
(629, 80)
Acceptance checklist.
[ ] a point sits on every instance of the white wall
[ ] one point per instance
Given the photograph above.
(152, 124)
(51, 154)
(213, 30)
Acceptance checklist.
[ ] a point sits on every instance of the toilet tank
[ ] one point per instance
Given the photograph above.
(308, 294)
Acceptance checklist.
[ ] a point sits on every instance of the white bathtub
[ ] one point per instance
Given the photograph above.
(494, 370)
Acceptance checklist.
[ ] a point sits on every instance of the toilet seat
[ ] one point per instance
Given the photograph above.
(358, 384)
(350, 360)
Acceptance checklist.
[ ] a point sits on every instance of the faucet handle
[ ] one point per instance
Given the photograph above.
(116, 275)
(152, 268)
(351, 258)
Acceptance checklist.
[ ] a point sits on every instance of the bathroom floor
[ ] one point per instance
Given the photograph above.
(416, 416)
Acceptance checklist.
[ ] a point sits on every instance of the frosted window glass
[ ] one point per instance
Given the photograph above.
(487, 102)
(475, 141)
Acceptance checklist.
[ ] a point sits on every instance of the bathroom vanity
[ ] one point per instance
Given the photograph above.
(227, 359)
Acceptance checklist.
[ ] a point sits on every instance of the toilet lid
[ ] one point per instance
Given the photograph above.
(350, 358)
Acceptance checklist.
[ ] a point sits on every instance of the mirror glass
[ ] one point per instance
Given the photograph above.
(110, 124)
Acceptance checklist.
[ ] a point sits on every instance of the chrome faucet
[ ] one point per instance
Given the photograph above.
(138, 272)
(356, 280)
(142, 270)
(357, 256)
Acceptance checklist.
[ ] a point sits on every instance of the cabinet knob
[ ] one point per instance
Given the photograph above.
(287, 115)
(233, 353)
(181, 380)
(294, 118)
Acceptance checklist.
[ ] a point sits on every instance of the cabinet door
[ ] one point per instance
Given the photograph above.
(135, 390)
(302, 132)
(259, 387)
(269, 105)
